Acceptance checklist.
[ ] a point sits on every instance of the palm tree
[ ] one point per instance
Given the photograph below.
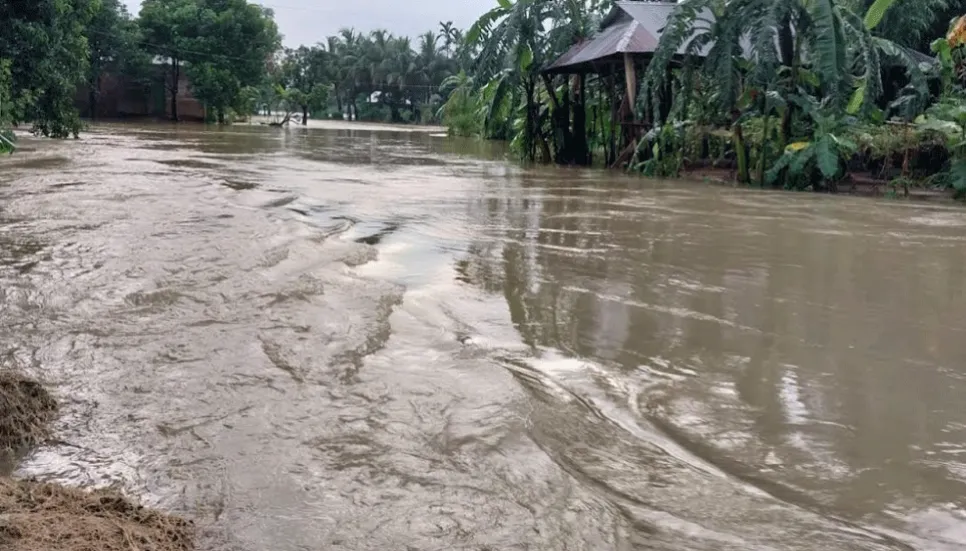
(449, 34)
(336, 68)
(382, 65)
(352, 67)
(512, 49)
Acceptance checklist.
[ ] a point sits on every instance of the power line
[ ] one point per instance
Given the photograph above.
(176, 51)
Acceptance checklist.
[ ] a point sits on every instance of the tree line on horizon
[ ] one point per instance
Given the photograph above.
(230, 51)
(823, 90)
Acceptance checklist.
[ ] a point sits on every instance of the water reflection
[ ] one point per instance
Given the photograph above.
(796, 344)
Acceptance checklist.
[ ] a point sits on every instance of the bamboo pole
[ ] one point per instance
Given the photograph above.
(630, 75)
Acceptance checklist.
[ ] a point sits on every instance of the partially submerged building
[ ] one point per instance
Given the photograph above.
(120, 97)
(623, 47)
(627, 39)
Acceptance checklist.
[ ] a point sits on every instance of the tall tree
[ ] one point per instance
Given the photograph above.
(113, 37)
(167, 27)
(221, 45)
(230, 43)
(306, 74)
(44, 45)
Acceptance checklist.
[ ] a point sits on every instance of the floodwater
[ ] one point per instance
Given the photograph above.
(357, 338)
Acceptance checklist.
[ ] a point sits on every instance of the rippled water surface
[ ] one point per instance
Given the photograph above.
(368, 339)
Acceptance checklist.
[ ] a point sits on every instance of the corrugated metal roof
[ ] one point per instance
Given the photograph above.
(628, 36)
(652, 16)
(630, 27)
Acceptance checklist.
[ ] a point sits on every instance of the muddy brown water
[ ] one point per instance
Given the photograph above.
(367, 339)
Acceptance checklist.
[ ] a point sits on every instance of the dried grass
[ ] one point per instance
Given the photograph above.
(25, 410)
(45, 517)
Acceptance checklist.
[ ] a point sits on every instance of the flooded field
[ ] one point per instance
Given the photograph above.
(351, 338)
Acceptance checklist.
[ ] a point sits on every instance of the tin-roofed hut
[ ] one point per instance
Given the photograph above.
(623, 46)
(622, 49)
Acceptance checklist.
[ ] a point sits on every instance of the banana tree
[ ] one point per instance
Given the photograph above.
(823, 35)
(819, 47)
(820, 160)
(459, 112)
(511, 36)
(948, 118)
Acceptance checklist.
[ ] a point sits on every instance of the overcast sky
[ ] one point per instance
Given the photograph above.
(311, 21)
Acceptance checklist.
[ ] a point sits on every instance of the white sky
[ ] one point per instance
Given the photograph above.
(311, 21)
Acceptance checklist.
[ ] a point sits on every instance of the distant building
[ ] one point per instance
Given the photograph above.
(121, 97)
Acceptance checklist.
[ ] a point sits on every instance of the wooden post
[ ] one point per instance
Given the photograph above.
(630, 75)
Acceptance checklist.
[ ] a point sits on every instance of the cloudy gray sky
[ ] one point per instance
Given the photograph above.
(311, 21)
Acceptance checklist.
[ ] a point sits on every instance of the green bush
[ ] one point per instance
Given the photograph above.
(375, 112)
(7, 141)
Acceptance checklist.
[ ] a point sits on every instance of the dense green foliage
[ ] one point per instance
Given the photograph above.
(801, 94)
(7, 139)
(402, 77)
(375, 76)
(51, 48)
(114, 43)
(816, 76)
(227, 52)
(222, 45)
(45, 48)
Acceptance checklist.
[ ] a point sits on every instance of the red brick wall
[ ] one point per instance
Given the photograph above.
(119, 98)
(189, 109)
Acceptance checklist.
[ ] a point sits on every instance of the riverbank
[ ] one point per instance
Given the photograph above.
(860, 185)
(35, 516)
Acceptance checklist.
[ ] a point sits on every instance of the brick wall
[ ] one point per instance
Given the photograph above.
(121, 98)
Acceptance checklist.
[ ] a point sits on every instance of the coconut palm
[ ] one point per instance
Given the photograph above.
(450, 36)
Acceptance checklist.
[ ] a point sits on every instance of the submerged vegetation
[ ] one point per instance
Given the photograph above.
(227, 51)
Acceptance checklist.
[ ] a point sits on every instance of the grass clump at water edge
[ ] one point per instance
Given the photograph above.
(35, 516)
(47, 517)
(25, 410)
